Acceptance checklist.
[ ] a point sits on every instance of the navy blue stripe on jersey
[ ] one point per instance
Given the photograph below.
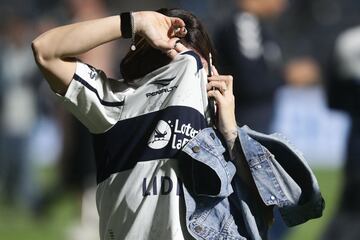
(197, 57)
(91, 88)
(153, 136)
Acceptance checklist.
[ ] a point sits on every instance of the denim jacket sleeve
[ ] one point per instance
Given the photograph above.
(282, 176)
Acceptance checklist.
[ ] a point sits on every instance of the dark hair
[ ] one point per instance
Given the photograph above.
(146, 59)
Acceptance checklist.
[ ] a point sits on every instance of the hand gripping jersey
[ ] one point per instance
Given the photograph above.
(138, 131)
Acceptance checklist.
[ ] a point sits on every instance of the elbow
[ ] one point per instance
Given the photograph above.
(37, 51)
(40, 55)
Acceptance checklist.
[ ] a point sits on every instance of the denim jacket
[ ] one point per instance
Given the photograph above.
(219, 205)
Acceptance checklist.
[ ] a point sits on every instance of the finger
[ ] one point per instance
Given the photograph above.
(173, 42)
(223, 78)
(230, 83)
(179, 47)
(214, 70)
(177, 22)
(176, 49)
(228, 79)
(177, 28)
(172, 53)
(218, 85)
(180, 32)
(216, 94)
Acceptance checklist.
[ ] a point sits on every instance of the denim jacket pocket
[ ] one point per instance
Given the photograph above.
(214, 221)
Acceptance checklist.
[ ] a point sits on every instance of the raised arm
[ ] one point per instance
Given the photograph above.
(54, 50)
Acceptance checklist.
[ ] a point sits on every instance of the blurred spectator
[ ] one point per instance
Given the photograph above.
(246, 49)
(18, 113)
(344, 93)
(302, 115)
(302, 72)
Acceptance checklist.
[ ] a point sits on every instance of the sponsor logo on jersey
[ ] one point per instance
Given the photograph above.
(176, 132)
(161, 185)
(161, 91)
(183, 133)
(161, 135)
(162, 82)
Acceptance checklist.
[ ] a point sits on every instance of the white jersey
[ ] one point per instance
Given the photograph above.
(138, 132)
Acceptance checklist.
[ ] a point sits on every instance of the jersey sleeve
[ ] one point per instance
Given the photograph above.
(94, 99)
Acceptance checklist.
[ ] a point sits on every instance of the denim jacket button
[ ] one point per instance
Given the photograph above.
(196, 149)
(272, 198)
(198, 229)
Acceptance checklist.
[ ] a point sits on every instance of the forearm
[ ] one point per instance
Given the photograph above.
(230, 138)
(74, 39)
(244, 172)
(239, 160)
(54, 50)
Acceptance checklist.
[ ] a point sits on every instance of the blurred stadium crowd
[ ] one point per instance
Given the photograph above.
(282, 70)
